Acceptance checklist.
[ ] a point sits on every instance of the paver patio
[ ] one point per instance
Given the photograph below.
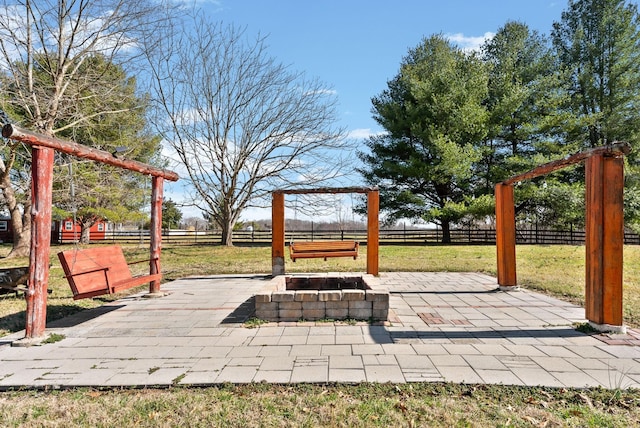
(452, 327)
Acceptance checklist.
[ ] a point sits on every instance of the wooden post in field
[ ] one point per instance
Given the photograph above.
(277, 234)
(156, 232)
(373, 232)
(604, 240)
(505, 236)
(41, 202)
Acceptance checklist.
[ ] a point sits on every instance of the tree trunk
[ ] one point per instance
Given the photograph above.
(227, 233)
(21, 236)
(85, 233)
(446, 231)
(20, 223)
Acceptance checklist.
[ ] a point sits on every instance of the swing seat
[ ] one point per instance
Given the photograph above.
(323, 249)
(101, 270)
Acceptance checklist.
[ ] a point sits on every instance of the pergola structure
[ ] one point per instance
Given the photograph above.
(604, 177)
(42, 151)
(278, 229)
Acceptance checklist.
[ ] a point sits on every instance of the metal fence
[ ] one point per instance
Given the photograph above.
(387, 236)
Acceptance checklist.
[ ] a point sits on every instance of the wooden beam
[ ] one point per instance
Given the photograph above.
(326, 190)
(277, 234)
(505, 235)
(84, 152)
(613, 149)
(41, 206)
(155, 244)
(373, 232)
(613, 242)
(604, 239)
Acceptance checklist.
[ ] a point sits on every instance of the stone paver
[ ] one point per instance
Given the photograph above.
(453, 327)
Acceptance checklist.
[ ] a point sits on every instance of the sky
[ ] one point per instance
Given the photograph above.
(356, 46)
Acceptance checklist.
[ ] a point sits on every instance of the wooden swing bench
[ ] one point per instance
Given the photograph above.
(101, 270)
(323, 249)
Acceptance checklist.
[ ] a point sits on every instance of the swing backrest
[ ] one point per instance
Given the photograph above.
(92, 271)
(323, 249)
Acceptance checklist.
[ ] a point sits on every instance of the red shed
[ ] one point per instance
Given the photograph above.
(64, 231)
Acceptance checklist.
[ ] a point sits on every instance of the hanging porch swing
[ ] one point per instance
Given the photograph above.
(321, 249)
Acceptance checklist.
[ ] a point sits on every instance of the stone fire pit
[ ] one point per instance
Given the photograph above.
(323, 296)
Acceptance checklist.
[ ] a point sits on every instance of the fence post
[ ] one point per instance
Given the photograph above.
(571, 233)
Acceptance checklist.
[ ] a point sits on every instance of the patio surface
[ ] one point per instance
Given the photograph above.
(444, 327)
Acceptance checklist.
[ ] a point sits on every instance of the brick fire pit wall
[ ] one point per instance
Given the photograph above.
(276, 303)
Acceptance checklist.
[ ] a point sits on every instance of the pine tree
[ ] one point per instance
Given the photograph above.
(435, 119)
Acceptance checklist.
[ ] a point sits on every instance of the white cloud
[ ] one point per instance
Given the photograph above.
(322, 92)
(469, 43)
(360, 133)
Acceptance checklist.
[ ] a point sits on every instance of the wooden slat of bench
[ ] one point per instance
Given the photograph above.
(134, 282)
(323, 249)
(323, 254)
(324, 246)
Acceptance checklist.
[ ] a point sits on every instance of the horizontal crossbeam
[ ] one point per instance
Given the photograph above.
(84, 152)
(613, 149)
(326, 190)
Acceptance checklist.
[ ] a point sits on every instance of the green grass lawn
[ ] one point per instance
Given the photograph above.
(556, 270)
(364, 405)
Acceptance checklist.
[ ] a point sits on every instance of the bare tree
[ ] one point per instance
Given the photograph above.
(44, 46)
(240, 123)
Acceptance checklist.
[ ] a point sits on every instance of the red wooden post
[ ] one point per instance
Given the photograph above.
(506, 235)
(373, 232)
(277, 234)
(41, 200)
(604, 240)
(156, 231)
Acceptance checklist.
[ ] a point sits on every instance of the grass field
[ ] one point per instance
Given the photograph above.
(364, 405)
(556, 270)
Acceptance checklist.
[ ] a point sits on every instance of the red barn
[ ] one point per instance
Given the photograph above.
(63, 231)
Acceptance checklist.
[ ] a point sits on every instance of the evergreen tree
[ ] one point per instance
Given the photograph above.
(46, 81)
(519, 62)
(435, 119)
(171, 215)
(598, 44)
(103, 192)
(526, 95)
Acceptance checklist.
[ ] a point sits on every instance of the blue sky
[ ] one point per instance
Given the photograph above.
(356, 46)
